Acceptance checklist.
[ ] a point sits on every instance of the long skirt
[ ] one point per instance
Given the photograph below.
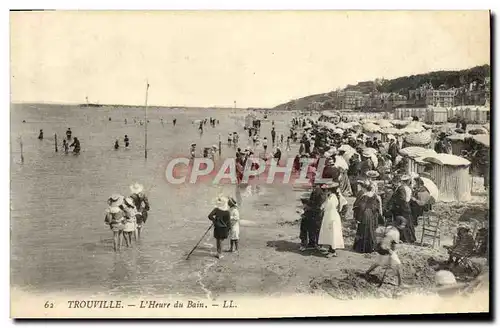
(221, 233)
(365, 240)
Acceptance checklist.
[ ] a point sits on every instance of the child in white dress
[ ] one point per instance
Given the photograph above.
(234, 234)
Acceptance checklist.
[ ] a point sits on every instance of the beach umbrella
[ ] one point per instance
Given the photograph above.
(371, 127)
(431, 187)
(346, 148)
(478, 131)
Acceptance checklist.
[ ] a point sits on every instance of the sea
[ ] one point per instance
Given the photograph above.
(59, 241)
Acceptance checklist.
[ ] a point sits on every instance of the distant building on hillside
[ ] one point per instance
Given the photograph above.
(440, 98)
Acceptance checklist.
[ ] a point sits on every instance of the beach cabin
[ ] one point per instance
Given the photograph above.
(436, 115)
(481, 115)
(451, 175)
(414, 156)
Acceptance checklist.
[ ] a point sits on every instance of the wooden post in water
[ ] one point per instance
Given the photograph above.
(146, 123)
(220, 146)
(21, 144)
(55, 141)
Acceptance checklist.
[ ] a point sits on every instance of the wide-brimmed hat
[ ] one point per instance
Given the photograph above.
(372, 174)
(129, 201)
(231, 202)
(115, 200)
(330, 184)
(136, 188)
(405, 177)
(221, 203)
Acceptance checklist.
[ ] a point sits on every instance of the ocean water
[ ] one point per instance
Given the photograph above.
(59, 240)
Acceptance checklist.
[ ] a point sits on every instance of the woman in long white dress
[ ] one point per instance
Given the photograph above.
(330, 233)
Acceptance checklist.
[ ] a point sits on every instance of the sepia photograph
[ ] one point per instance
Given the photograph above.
(249, 164)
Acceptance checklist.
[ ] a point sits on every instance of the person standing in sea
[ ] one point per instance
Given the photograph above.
(141, 203)
(65, 146)
(114, 217)
(127, 141)
(68, 134)
(75, 145)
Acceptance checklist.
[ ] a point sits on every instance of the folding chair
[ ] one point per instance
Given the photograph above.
(430, 228)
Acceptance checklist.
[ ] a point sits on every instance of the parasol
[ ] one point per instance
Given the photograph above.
(431, 187)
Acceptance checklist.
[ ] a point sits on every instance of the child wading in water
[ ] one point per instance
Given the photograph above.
(115, 219)
(130, 220)
(234, 233)
(222, 222)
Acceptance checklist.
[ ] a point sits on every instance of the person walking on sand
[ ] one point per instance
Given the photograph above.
(221, 219)
(234, 233)
(174, 121)
(68, 134)
(117, 145)
(40, 136)
(330, 233)
(115, 219)
(273, 135)
(141, 203)
(229, 139)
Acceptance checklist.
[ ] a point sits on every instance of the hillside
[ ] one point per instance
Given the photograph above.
(401, 85)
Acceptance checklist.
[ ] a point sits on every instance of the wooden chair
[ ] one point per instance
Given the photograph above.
(430, 228)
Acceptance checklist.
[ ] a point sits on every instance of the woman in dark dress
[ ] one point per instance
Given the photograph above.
(221, 219)
(366, 210)
(401, 207)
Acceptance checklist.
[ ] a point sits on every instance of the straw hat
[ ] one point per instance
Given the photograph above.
(330, 184)
(405, 177)
(136, 188)
(221, 203)
(372, 174)
(129, 201)
(115, 200)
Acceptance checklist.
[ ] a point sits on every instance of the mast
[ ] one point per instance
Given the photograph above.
(146, 123)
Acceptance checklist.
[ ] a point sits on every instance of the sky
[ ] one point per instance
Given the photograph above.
(258, 59)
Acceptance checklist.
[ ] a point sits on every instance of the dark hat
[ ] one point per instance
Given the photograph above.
(231, 202)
